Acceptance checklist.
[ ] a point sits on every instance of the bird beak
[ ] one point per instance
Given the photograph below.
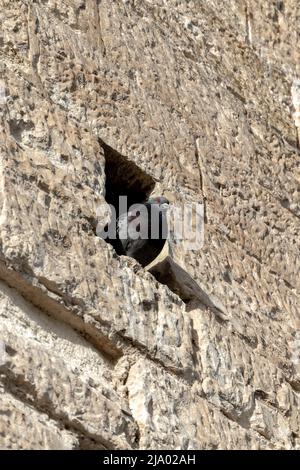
(164, 206)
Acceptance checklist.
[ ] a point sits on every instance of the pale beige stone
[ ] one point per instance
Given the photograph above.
(22, 427)
(199, 98)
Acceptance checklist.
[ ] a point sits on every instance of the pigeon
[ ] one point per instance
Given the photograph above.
(143, 230)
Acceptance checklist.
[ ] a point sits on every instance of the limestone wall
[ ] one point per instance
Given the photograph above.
(193, 100)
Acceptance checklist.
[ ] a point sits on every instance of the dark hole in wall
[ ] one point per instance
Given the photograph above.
(124, 178)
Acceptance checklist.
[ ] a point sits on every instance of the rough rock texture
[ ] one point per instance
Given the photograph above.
(94, 352)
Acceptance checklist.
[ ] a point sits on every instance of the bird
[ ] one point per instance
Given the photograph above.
(143, 230)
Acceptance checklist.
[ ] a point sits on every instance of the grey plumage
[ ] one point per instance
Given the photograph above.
(143, 230)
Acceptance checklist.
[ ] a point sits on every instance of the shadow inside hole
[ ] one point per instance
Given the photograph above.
(124, 178)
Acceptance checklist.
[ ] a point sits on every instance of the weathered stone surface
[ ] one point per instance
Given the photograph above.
(172, 415)
(22, 427)
(199, 98)
(52, 368)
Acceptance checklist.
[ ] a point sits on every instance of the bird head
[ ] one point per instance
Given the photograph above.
(161, 201)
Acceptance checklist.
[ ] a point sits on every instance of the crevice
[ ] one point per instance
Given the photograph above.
(262, 396)
(96, 334)
(110, 343)
(88, 443)
(186, 375)
(230, 417)
(21, 389)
